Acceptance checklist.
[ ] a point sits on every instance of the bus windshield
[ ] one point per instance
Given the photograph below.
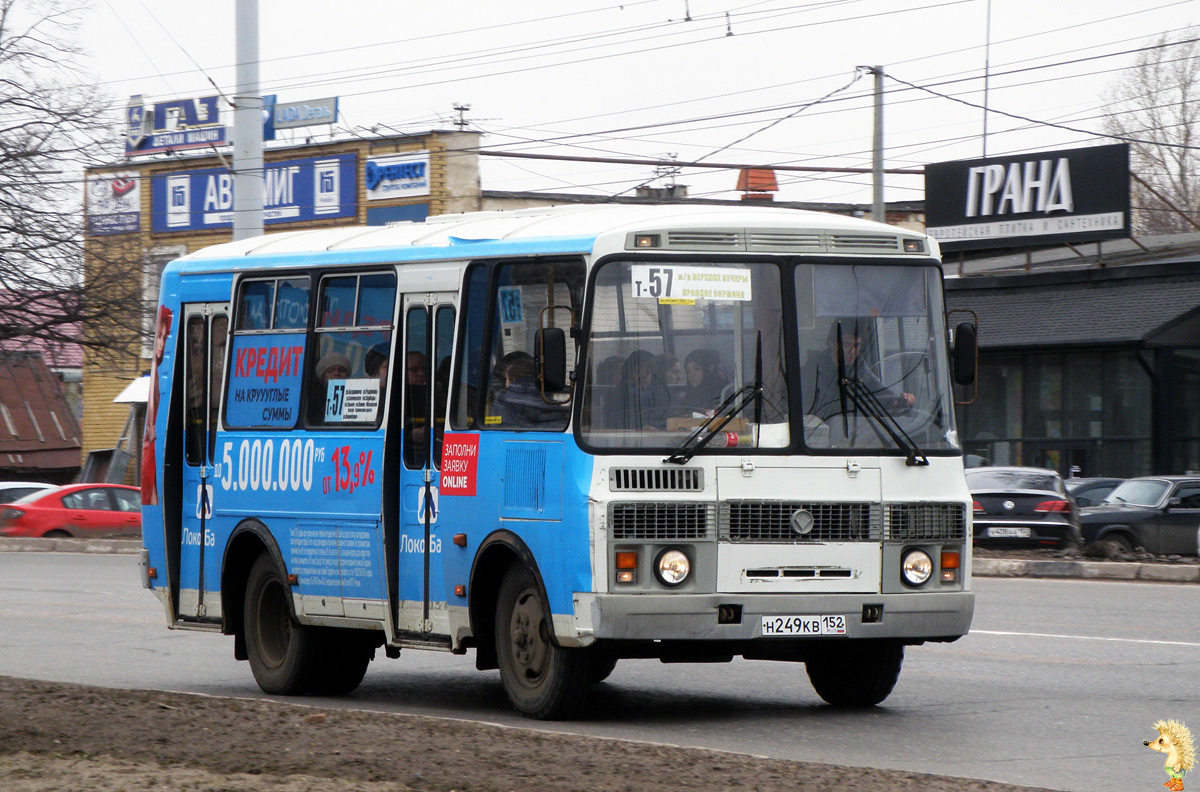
(873, 366)
(670, 344)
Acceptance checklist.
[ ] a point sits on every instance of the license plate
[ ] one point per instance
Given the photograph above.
(803, 625)
(1009, 532)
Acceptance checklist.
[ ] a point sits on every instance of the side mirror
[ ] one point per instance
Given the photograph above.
(1174, 503)
(550, 356)
(966, 351)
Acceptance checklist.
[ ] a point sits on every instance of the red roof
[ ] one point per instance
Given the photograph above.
(38, 430)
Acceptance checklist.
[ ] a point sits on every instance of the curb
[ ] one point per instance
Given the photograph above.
(95, 546)
(980, 567)
(1086, 570)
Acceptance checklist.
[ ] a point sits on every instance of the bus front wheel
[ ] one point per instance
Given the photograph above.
(856, 673)
(541, 680)
(282, 653)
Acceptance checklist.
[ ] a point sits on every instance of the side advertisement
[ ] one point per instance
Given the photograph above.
(294, 191)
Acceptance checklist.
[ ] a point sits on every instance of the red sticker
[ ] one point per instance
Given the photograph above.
(460, 462)
(731, 439)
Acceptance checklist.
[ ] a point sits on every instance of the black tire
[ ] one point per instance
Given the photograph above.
(1121, 542)
(541, 680)
(57, 533)
(603, 664)
(283, 654)
(857, 673)
(342, 657)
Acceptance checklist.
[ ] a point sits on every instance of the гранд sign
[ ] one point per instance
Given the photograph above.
(1050, 197)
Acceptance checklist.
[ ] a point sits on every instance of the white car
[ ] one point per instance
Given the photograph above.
(13, 490)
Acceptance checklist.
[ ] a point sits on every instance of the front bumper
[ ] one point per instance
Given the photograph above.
(694, 617)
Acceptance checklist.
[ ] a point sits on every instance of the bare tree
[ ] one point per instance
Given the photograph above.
(1156, 104)
(52, 123)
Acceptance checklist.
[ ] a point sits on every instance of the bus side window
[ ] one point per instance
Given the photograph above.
(443, 341)
(196, 388)
(220, 338)
(465, 396)
(530, 297)
(347, 381)
(266, 356)
(416, 388)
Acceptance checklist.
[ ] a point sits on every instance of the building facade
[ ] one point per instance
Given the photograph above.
(1089, 370)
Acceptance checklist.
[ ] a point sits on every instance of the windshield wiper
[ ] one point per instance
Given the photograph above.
(749, 393)
(868, 403)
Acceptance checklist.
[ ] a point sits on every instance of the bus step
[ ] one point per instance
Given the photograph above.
(415, 640)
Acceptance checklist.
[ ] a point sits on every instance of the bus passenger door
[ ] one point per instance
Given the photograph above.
(204, 336)
(428, 321)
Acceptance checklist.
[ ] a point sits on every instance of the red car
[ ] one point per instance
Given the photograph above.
(79, 510)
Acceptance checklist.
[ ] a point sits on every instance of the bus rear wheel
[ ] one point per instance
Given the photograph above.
(342, 660)
(283, 654)
(856, 673)
(541, 680)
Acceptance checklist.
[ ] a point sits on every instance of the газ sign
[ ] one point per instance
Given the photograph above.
(1075, 195)
(172, 125)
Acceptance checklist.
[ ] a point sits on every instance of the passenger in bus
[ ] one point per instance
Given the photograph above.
(608, 373)
(669, 369)
(521, 403)
(376, 362)
(705, 381)
(331, 366)
(821, 394)
(644, 397)
(416, 404)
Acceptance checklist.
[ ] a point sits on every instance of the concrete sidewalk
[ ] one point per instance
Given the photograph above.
(981, 567)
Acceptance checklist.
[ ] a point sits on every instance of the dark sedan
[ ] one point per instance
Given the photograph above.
(1022, 507)
(1091, 491)
(1159, 513)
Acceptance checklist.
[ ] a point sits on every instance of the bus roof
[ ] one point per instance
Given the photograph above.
(555, 229)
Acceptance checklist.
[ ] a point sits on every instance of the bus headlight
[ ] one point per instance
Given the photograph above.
(672, 567)
(916, 567)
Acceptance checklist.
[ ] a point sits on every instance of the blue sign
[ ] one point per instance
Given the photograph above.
(293, 191)
(172, 125)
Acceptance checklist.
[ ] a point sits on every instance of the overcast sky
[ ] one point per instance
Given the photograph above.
(739, 81)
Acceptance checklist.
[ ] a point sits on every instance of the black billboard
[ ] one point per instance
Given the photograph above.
(1043, 198)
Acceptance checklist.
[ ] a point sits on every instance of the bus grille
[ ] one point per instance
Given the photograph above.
(771, 521)
(673, 479)
(671, 521)
(705, 239)
(876, 242)
(925, 522)
(779, 240)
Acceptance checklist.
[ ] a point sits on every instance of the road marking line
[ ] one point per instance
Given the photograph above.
(1085, 637)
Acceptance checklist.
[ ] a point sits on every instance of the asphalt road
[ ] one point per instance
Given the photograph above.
(1056, 686)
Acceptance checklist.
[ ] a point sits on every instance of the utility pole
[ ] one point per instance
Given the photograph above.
(247, 127)
(878, 213)
(987, 69)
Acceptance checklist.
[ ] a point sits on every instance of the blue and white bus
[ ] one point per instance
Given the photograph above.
(562, 437)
